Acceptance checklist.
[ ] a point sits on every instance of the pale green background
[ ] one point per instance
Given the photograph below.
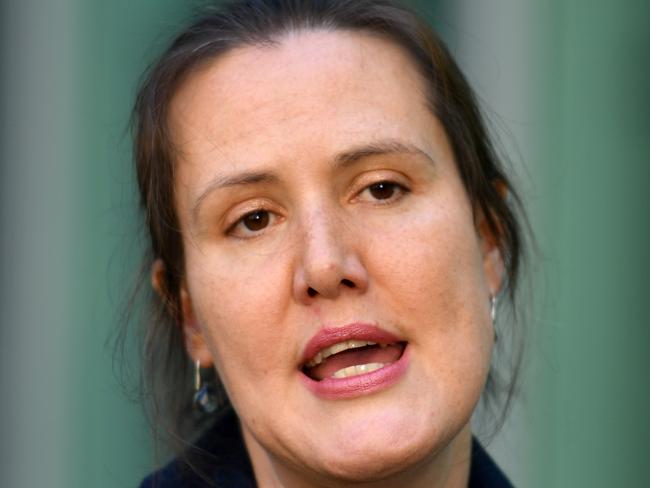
(566, 83)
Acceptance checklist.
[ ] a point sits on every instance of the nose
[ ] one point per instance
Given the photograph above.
(328, 263)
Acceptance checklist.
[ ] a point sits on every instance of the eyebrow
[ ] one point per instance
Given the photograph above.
(246, 178)
(342, 161)
(379, 148)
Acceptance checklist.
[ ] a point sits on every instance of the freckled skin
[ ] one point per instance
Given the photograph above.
(420, 267)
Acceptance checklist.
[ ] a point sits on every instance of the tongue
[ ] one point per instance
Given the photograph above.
(352, 357)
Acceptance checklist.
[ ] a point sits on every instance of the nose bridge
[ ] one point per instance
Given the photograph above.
(321, 239)
(326, 262)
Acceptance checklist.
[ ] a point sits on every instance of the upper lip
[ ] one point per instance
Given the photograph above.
(357, 331)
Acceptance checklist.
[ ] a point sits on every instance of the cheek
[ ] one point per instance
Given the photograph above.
(429, 272)
(433, 253)
(239, 306)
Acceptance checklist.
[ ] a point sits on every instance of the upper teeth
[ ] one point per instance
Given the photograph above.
(336, 348)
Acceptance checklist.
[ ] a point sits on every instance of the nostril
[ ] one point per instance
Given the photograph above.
(312, 292)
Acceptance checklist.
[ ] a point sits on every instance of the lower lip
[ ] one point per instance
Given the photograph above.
(359, 385)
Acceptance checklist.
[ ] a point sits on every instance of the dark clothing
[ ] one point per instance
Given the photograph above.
(221, 461)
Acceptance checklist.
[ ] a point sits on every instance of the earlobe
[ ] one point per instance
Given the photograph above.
(195, 341)
(494, 270)
(490, 236)
(493, 265)
(158, 278)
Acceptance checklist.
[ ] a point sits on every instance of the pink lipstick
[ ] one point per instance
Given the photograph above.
(353, 360)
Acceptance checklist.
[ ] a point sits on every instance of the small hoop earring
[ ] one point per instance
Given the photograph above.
(204, 399)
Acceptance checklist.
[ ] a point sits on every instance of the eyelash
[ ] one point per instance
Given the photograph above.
(240, 221)
(396, 187)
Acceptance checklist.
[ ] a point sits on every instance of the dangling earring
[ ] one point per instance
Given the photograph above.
(203, 398)
(493, 314)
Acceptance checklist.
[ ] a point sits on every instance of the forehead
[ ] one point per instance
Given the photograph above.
(311, 90)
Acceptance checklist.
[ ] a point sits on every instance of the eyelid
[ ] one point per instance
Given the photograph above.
(248, 208)
(375, 176)
(363, 183)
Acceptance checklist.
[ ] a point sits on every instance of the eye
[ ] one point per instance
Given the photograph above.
(251, 223)
(385, 191)
(256, 221)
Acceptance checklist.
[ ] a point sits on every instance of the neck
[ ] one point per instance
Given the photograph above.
(448, 468)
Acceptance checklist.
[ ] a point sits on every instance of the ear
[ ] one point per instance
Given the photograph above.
(195, 337)
(158, 279)
(493, 265)
(195, 342)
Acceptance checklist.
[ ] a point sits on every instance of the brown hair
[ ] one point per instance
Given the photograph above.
(166, 368)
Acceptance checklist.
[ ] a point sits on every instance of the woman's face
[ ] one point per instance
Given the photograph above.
(320, 203)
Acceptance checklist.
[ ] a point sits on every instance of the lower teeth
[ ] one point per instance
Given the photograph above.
(357, 369)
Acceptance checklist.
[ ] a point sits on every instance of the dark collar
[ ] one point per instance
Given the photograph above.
(483, 472)
(219, 459)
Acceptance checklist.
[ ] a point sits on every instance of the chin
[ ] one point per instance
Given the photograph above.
(373, 465)
(390, 450)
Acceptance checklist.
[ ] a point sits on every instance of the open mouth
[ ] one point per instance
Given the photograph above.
(350, 358)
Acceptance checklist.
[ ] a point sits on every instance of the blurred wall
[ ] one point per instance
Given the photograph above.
(495, 44)
(590, 381)
(565, 83)
(69, 250)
